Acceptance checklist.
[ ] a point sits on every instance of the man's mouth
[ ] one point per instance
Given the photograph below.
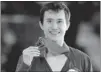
(54, 32)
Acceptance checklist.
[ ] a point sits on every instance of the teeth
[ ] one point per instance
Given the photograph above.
(54, 33)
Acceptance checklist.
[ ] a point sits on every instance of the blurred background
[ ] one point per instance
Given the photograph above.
(20, 29)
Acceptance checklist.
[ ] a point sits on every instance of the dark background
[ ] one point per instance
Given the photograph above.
(20, 28)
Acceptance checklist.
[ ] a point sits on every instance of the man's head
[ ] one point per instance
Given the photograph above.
(55, 6)
(54, 20)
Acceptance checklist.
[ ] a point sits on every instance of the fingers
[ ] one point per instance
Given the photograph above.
(31, 51)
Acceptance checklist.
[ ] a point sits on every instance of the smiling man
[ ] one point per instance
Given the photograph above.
(51, 53)
(55, 25)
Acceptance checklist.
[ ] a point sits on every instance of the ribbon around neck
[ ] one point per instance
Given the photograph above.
(46, 45)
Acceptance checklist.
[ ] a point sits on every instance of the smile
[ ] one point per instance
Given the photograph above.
(54, 32)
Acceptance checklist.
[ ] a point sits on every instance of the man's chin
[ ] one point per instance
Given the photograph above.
(54, 38)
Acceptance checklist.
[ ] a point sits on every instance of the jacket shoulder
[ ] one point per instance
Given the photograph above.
(79, 53)
(82, 60)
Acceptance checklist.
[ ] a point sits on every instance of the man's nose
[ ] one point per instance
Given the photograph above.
(54, 26)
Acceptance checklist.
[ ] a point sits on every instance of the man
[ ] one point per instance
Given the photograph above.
(51, 52)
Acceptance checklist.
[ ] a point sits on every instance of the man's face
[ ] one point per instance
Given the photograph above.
(54, 25)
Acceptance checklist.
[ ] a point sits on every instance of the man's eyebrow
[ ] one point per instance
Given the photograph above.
(53, 19)
(60, 19)
(49, 19)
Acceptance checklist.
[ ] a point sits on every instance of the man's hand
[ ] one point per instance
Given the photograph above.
(29, 53)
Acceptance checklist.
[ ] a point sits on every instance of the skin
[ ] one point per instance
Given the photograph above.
(55, 26)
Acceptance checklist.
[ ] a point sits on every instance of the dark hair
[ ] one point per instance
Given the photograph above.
(55, 6)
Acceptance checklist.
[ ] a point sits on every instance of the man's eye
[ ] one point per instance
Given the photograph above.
(59, 21)
(49, 21)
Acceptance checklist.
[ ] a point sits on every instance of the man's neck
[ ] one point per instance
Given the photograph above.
(60, 42)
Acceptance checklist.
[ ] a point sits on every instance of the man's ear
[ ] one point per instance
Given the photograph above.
(68, 25)
(40, 24)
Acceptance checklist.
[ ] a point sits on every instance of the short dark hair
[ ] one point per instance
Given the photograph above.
(55, 6)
